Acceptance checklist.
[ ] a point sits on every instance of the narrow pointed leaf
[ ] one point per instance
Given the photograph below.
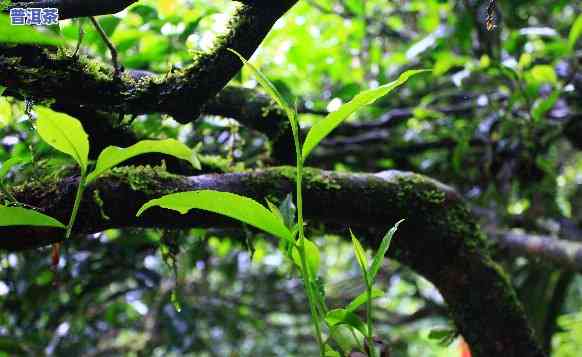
(18, 216)
(360, 256)
(65, 134)
(274, 93)
(322, 128)
(266, 84)
(228, 204)
(363, 298)
(379, 257)
(2, 89)
(114, 155)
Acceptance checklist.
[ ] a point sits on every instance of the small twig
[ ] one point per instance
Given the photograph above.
(81, 37)
(109, 45)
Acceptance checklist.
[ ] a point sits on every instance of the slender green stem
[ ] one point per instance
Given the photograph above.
(76, 205)
(304, 268)
(370, 336)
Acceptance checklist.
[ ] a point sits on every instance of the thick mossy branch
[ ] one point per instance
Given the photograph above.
(30, 71)
(439, 239)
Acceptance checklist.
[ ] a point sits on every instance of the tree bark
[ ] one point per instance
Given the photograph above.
(439, 239)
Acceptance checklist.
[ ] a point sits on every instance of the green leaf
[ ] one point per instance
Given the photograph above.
(379, 257)
(114, 155)
(322, 128)
(267, 85)
(288, 209)
(330, 352)
(24, 34)
(17, 216)
(343, 317)
(312, 257)
(2, 89)
(575, 33)
(228, 204)
(360, 256)
(346, 337)
(275, 210)
(9, 164)
(363, 298)
(65, 134)
(542, 105)
(273, 93)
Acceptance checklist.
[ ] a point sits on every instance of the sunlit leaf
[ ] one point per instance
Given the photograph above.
(363, 298)
(2, 89)
(17, 216)
(322, 128)
(114, 155)
(228, 204)
(65, 134)
(379, 257)
(24, 34)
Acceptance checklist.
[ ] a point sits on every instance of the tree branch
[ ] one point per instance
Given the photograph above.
(564, 254)
(439, 240)
(42, 74)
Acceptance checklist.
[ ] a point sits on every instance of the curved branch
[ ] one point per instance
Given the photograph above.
(439, 240)
(41, 74)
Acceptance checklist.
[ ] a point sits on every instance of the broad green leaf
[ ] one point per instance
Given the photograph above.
(228, 204)
(322, 128)
(24, 34)
(343, 317)
(575, 33)
(312, 257)
(114, 155)
(9, 164)
(360, 256)
(17, 216)
(363, 298)
(379, 257)
(65, 134)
